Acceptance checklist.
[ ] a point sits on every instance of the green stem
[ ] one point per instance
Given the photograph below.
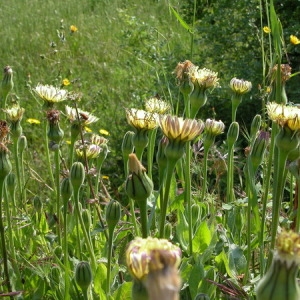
(169, 174)
(229, 192)
(3, 243)
(50, 173)
(86, 236)
(58, 204)
(110, 247)
(150, 154)
(144, 219)
(17, 162)
(133, 218)
(66, 253)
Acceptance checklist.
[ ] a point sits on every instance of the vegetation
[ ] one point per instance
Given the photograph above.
(87, 166)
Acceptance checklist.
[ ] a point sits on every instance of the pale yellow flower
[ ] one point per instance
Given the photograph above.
(33, 121)
(141, 119)
(151, 254)
(266, 29)
(179, 129)
(294, 40)
(15, 113)
(91, 150)
(214, 127)
(73, 28)
(240, 86)
(50, 94)
(98, 140)
(84, 117)
(155, 105)
(204, 78)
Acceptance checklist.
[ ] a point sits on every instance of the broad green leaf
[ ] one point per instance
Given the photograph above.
(202, 238)
(196, 276)
(223, 260)
(237, 259)
(100, 279)
(123, 292)
(182, 232)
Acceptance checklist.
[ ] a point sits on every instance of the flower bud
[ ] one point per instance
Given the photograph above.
(138, 185)
(83, 275)
(232, 134)
(22, 143)
(127, 144)
(11, 183)
(258, 149)
(160, 155)
(7, 82)
(286, 140)
(255, 126)
(113, 214)
(280, 281)
(77, 175)
(66, 190)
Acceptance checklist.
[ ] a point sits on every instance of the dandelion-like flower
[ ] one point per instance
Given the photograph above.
(179, 129)
(141, 119)
(204, 78)
(240, 86)
(66, 82)
(156, 105)
(15, 113)
(280, 281)
(73, 28)
(146, 255)
(182, 77)
(98, 140)
(83, 117)
(266, 29)
(294, 40)
(89, 151)
(33, 121)
(50, 94)
(213, 127)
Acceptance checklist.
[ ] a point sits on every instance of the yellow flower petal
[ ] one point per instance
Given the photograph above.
(266, 29)
(33, 121)
(103, 131)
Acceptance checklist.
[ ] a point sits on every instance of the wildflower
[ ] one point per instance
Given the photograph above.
(103, 131)
(266, 29)
(140, 119)
(105, 177)
(285, 72)
(50, 94)
(280, 281)
(98, 140)
(33, 121)
(80, 116)
(214, 127)
(112, 215)
(7, 82)
(153, 263)
(155, 105)
(15, 113)
(55, 133)
(66, 82)
(240, 86)
(87, 129)
(89, 151)
(73, 28)
(83, 275)
(294, 40)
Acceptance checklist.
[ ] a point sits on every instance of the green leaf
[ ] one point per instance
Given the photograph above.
(202, 238)
(182, 232)
(223, 260)
(123, 292)
(196, 276)
(100, 279)
(180, 20)
(237, 259)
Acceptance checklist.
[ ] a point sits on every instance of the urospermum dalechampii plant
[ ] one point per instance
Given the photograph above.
(50, 94)
(156, 105)
(84, 118)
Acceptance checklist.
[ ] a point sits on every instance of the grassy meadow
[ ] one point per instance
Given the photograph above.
(149, 150)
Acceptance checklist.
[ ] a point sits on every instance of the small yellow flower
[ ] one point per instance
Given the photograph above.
(240, 86)
(105, 177)
(155, 105)
(33, 121)
(103, 131)
(140, 119)
(50, 94)
(267, 29)
(73, 28)
(66, 82)
(178, 129)
(294, 40)
(87, 129)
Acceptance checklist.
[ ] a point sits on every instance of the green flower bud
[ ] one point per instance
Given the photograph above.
(66, 190)
(16, 129)
(113, 214)
(86, 217)
(7, 82)
(258, 149)
(280, 281)
(255, 126)
(55, 133)
(22, 143)
(127, 144)
(77, 175)
(160, 156)
(37, 203)
(232, 134)
(11, 183)
(83, 275)
(138, 185)
(286, 140)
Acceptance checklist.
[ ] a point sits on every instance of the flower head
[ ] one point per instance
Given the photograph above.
(203, 78)
(155, 105)
(15, 113)
(85, 118)
(266, 29)
(240, 86)
(50, 94)
(141, 119)
(146, 255)
(103, 131)
(294, 40)
(179, 129)
(98, 140)
(214, 127)
(285, 72)
(73, 28)
(33, 121)
(284, 115)
(66, 82)
(288, 244)
(89, 150)
(181, 71)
